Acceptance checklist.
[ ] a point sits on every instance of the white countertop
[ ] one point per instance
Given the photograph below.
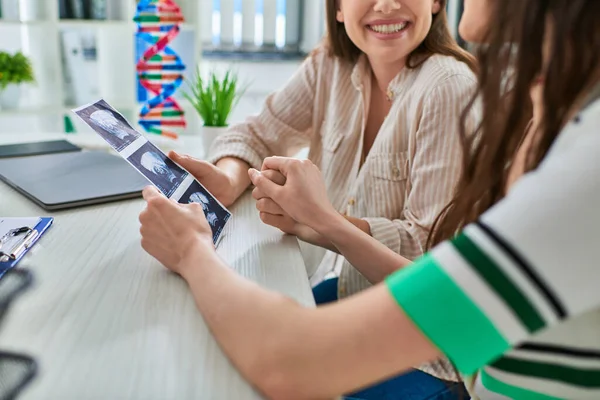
(105, 321)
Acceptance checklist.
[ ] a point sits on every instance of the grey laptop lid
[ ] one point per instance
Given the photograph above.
(59, 181)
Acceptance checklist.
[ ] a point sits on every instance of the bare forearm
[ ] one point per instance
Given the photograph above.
(237, 170)
(309, 235)
(250, 323)
(282, 348)
(374, 260)
(360, 224)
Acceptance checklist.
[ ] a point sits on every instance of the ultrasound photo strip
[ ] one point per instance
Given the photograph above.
(109, 124)
(172, 180)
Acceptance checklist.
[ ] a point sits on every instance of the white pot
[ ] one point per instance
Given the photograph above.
(10, 97)
(209, 134)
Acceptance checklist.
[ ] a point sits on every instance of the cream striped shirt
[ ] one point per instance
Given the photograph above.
(409, 174)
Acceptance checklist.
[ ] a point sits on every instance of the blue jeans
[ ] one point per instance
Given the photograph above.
(413, 385)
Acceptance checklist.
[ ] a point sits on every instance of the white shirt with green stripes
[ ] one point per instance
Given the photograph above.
(520, 289)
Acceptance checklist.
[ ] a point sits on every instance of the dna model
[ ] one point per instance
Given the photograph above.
(160, 69)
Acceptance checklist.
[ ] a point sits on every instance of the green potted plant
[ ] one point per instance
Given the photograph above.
(214, 99)
(14, 70)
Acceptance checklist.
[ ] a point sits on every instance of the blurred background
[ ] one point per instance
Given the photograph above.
(83, 50)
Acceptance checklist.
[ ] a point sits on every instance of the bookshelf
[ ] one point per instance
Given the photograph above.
(36, 28)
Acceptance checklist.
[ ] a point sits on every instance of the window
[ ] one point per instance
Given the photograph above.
(455, 10)
(252, 26)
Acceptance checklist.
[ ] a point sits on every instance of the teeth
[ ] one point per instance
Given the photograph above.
(393, 28)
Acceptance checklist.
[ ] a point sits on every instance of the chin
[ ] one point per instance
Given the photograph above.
(390, 55)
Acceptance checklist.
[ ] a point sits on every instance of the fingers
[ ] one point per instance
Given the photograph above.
(257, 194)
(286, 165)
(277, 221)
(196, 167)
(274, 176)
(266, 205)
(158, 205)
(155, 200)
(178, 158)
(280, 164)
(150, 192)
(265, 185)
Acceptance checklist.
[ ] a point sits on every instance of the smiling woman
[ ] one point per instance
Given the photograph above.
(422, 24)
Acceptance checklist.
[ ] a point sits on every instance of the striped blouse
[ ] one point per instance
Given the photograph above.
(411, 170)
(520, 288)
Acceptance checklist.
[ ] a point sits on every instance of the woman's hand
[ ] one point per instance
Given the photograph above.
(301, 199)
(172, 231)
(270, 212)
(216, 180)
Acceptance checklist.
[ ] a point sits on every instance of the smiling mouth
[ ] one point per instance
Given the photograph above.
(388, 29)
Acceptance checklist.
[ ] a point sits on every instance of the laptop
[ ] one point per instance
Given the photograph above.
(72, 179)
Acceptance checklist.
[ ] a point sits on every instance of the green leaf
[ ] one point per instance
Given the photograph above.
(15, 69)
(214, 98)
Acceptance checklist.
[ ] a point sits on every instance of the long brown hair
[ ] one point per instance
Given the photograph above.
(569, 31)
(439, 40)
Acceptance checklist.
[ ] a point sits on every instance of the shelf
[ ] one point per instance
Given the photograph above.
(69, 23)
(41, 111)
(82, 23)
(4, 22)
(188, 26)
(90, 23)
(58, 110)
(49, 110)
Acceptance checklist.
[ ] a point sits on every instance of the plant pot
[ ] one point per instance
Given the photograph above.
(209, 134)
(10, 97)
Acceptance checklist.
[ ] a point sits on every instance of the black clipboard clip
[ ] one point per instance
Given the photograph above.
(26, 237)
(17, 242)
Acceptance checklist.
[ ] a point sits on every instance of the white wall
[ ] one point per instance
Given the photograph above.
(262, 79)
(313, 24)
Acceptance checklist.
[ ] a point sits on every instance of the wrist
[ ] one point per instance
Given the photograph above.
(304, 233)
(360, 224)
(236, 173)
(309, 235)
(200, 253)
(235, 191)
(329, 223)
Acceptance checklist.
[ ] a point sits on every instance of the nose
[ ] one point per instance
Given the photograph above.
(386, 6)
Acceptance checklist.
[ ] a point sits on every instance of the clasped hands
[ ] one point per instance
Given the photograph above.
(291, 196)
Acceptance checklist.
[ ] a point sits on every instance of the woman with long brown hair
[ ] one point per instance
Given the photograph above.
(512, 299)
(378, 104)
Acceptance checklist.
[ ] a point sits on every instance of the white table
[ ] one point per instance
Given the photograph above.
(106, 321)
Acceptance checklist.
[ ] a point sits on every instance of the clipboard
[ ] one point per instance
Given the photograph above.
(28, 237)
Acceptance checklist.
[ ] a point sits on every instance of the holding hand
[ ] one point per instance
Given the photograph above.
(272, 214)
(300, 200)
(214, 179)
(172, 231)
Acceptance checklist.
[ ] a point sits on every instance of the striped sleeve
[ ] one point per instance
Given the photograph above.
(531, 262)
(282, 127)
